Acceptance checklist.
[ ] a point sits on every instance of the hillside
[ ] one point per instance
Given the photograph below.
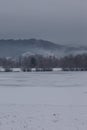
(15, 48)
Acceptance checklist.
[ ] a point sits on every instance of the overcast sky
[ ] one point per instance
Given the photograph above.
(60, 21)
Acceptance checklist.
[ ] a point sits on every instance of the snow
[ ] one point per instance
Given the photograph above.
(16, 69)
(57, 69)
(2, 69)
(43, 101)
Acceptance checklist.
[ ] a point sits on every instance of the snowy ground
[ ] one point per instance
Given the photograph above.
(43, 101)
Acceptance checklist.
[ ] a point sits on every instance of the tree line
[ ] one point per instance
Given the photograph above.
(26, 63)
(78, 62)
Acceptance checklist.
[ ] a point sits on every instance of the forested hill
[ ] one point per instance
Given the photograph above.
(16, 48)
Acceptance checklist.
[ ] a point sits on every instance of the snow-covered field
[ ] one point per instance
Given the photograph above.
(43, 101)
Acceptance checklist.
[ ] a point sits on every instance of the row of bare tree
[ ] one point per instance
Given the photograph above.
(26, 63)
(78, 62)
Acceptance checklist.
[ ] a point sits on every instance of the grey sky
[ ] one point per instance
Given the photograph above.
(54, 20)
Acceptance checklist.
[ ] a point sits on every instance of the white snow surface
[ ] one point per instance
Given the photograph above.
(43, 101)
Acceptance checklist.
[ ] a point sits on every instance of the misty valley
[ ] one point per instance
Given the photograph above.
(39, 55)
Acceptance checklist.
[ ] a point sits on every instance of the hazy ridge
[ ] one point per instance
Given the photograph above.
(15, 48)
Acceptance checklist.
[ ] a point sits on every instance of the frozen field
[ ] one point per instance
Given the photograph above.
(43, 101)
